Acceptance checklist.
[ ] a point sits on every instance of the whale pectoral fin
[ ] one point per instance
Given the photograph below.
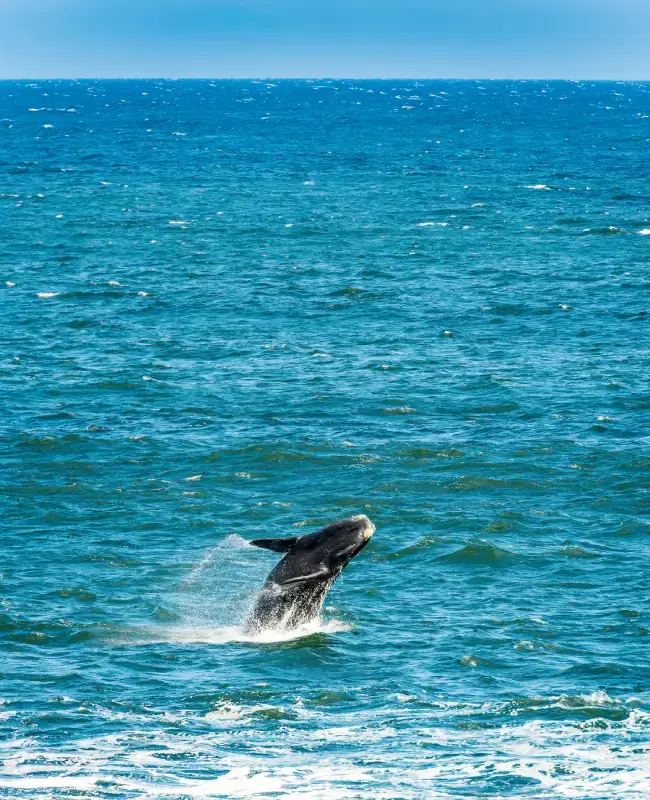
(312, 576)
(277, 545)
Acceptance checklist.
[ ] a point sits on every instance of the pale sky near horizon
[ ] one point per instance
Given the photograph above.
(579, 39)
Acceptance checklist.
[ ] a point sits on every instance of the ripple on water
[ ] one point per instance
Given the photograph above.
(445, 337)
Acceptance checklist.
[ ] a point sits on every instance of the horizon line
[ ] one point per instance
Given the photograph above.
(320, 78)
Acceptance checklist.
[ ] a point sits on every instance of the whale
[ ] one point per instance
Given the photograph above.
(295, 589)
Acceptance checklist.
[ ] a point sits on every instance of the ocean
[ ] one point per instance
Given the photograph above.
(243, 309)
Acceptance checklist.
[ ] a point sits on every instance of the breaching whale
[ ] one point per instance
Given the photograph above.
(295, 589)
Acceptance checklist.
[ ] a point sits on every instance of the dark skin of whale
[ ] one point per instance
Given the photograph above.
(295, 589)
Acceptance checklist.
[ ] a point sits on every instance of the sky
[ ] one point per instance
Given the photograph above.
(577, 39)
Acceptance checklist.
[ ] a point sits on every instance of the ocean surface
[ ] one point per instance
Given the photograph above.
(239, 309)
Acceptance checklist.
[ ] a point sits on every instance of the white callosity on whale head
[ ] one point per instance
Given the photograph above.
(368, 528)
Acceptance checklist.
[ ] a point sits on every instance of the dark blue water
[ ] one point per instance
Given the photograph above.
(243, 309)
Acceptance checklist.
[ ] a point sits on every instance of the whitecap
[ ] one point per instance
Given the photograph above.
(430, 224)
(9, 284)
(539, 186)
(557, 758)
(178, 222)
(231, 713)
(47, 295)
(644, 232)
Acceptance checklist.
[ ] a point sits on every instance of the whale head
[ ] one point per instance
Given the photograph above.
(340, 541)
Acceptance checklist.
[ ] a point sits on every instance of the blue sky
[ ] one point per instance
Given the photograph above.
(312, 38)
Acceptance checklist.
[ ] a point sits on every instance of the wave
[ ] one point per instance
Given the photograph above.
(563, 746)
(425, 453)
(480, 553)
(611, 230)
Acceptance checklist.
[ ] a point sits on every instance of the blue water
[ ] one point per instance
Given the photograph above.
(243, 309)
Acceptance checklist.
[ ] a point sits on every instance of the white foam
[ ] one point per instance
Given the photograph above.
(539, 186)
(179, 222)
(226, 635)
(644, 232)
(317, 754)
(431, 224)
(47, 295)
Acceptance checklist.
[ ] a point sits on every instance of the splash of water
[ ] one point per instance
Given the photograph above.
(216, 598)
(186, 635)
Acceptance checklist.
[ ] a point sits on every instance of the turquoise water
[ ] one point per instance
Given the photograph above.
(245, 309)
